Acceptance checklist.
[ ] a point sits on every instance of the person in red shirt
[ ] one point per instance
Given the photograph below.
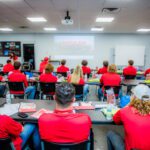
(17, 76)
(2, 88)
(43, 64)
(111, 78)
(85, 68)
(77, 78)
(8, 67)
(18, 134)
(130, 70)
(64, 125)
(104, 68)
(135, 119)
(147, 72)
(13, 57)
(63, 68)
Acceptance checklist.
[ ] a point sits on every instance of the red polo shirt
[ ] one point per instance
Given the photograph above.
(110, 79)
(136, 126)
(12, 129)
(64, 126)
(81, 81)
(102, 70)
(130, 70)
(43, 65)
(47, 77)
(8, 67)
(86, 70)
(147, 72)
(62, 68)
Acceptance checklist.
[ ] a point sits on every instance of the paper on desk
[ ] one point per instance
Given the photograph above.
(9, 109)
(101, 105)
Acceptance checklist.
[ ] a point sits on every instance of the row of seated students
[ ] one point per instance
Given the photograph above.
(65, 126)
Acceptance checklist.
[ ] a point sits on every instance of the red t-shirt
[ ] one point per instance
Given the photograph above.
(43, 65)
(12, 129)
(81, 81)
(62, 68)
(8, 68)
(86, 70)
(130, 70)
(1, 78)
(137, 128)
(110, 79)
(47, 77)
(64, 126)
(102, 70)
(147, 72)
(17, 76)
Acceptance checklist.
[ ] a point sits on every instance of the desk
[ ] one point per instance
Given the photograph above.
(132, 82)
(96, 115)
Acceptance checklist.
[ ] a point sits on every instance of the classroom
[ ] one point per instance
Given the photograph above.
(74, 75)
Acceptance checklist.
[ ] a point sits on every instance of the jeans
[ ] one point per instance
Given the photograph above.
(31, 129)
(2, 90)
(30, 91)
(115, 141)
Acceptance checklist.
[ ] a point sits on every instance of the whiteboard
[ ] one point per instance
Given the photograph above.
(124, 53)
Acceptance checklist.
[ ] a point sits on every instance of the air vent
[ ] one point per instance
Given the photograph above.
(23, 27)
(111, 10)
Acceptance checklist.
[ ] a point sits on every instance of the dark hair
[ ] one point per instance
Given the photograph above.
(105, 63)
(49, 68)
(131, 62)
(64, 94)
(8, 61)
(63, 62)
(17, 65)
(84, 62)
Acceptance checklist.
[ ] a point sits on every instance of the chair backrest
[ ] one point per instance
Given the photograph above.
(58, 146)
(5, 144)
(64, 74)
(16, 86)
(78, 89)
(47, 87)
(129, 76)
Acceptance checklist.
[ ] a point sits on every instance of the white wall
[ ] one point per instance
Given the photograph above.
(104, 46)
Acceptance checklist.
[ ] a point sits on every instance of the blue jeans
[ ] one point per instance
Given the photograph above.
(31, 129)
(115, 141)
(2, 90)
(30, 91)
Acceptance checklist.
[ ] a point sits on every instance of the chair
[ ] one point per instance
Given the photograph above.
(88, 75)
(47, 88)
(79, 91)
(71, 146)
(129, 77)
(64, 74)
(16, 89)
(6, 144)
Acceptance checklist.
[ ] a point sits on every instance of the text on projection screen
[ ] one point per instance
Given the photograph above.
(74, 47)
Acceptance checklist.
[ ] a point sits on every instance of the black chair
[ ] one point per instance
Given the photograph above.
(73, 146)
(88, 75)
(129, 77)
(79, 91)
(6, 144)
(64, 74)
(15, 87)
(47, 88)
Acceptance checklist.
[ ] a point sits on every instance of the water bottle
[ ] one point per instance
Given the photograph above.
(8, 98)
(109, 112)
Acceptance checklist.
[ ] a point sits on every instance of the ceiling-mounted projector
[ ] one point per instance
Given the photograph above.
(67, 20)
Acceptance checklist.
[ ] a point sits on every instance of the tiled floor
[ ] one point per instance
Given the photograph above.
(100, 131)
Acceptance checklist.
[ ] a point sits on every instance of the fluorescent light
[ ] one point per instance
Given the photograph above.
(97, 29)
(37, 19)
(50, 29)
(6, 29)
(143, 30)
(101, 19)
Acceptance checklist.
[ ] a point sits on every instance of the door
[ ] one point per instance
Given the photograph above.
(28, 54)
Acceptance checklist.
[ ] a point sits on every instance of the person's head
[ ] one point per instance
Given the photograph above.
(63, 62)
(77, 75)
(17, 65)
(84, 62)
(131, 62)
(46, 59)
(8, 61)
(112, 68)
(12, 54)
(65, 94)
(49, 68)
(105, 63)
(141, 99)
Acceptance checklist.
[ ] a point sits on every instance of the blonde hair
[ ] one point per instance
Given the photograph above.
(49, 68)
(112, 68)
(77, 74)
(142, 106)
